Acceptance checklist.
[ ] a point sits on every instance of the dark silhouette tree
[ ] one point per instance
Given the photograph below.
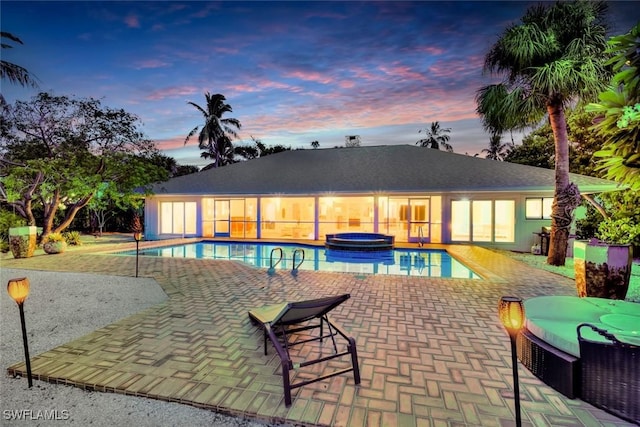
(436, 137)
(216, 133)
(497, 150)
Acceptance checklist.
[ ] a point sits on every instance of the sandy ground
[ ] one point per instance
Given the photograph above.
(60, 308)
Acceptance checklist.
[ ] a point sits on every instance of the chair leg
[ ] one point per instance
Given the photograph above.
(286, 384)
(264, 332)
(354, 360)
(331, 333)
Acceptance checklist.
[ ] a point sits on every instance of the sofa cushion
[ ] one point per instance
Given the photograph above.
(625, 327)
(554, 319)
(562, 333)
(615, 306)
(562, 308)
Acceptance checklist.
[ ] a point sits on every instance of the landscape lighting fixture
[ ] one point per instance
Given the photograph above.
(511, 312)
(137, 237)
(18, 289)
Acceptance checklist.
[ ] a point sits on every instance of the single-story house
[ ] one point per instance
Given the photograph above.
(413, 193)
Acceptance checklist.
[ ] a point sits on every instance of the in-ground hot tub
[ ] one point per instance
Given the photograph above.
(361, 242)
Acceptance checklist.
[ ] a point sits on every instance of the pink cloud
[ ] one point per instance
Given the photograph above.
(172, 143)
(150, 63)
(262, 85)
(431, 50)
(346, 84)
(402, 71)
(342, 111)
(450, 67)
(171, 92)
(227, 50)
(132, 21)
(362, 74)
(309, 76)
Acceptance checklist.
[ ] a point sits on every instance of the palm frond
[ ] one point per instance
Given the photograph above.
(193, 132)
(10, 37)
(16, 74)
(197, 107)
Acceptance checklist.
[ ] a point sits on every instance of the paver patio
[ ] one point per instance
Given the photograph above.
(431, 351)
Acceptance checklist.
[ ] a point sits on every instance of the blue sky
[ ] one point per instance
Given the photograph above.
(293, 72)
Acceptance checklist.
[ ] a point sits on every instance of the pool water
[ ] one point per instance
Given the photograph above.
(399, 262)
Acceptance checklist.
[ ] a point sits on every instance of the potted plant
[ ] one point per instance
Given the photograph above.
(22, 241)
(54, 243)
(603, 267)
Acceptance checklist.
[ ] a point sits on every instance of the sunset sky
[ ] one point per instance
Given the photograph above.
(294, 72)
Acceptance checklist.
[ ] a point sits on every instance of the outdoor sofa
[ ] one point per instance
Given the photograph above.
(600, 364)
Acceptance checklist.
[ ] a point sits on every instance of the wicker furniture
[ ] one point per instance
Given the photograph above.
(554, 367)
(610, 374)
(600, 365)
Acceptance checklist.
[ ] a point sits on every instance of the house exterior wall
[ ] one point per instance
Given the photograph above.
(308, 217)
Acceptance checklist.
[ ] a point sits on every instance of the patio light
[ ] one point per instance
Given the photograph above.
(137, 237)
(511, 312)
(18, 289)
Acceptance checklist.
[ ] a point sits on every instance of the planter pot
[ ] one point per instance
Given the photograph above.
(22, 241)
(54, 247)
(602, 270)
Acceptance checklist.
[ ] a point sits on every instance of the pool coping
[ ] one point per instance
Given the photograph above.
(457, 252)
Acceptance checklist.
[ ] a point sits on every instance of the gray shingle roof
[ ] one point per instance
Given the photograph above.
(385, 168)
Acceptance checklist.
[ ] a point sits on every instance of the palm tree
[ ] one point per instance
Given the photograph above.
(497, 150)
(553, 57)
(436, 137)
(217, 132)
(12, 72)
(315, 144)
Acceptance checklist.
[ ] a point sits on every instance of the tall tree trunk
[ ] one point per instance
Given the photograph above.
(50, 208)
(71, 211)
(566, 195)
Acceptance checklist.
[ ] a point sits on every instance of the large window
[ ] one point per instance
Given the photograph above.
(483, 221)
(461, 220)
(178, 218)
(505, 221)
(207, 217)
(341, 214)
(538, 207)
(287, 217)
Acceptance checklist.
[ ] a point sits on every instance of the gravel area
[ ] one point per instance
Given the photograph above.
(60, 308)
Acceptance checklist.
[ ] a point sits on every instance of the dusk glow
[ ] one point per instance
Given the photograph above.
(294, 72)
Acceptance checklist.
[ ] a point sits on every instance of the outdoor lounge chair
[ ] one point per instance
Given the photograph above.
(611, 374)
(279, 322)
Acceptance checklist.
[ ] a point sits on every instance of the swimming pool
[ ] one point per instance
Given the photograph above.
(399, 262)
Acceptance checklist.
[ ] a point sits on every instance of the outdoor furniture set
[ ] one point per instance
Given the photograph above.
(587, 348)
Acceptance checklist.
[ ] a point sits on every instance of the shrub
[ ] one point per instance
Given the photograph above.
(53, 238)
(623, 231)
(72, 238)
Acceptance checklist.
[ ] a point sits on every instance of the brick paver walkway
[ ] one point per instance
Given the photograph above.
(431, 351)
